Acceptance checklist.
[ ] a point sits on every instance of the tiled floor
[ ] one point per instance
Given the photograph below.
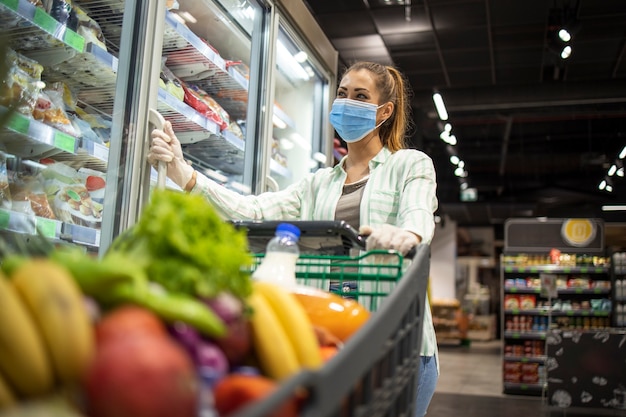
(470, 385)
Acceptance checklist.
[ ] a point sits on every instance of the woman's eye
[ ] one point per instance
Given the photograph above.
(341, 94)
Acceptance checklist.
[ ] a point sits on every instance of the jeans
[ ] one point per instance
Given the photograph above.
(426, 382)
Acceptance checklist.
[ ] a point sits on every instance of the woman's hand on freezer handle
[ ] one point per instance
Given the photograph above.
(166, 147)
(388, 237)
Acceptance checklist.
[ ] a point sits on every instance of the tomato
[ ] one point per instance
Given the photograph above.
(94, 183)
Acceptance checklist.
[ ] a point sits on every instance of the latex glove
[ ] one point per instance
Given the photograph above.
(388, 237)
(166, 147)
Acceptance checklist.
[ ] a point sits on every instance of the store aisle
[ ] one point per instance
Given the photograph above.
(471, 386)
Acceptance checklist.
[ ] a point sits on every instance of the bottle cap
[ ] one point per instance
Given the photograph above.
(288, 228)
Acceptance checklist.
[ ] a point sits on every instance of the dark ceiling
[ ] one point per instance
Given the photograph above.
(537, 133)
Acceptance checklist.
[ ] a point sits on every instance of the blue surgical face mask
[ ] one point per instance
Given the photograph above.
(353, 119)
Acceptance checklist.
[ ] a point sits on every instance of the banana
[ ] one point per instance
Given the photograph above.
(23, 357)
(294, 321)
(275, 353)
(56, 303)
(7, 396)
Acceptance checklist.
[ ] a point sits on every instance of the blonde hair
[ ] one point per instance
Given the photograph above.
(392, 88)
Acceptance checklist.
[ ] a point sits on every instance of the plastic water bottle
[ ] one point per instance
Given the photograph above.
(279, 264)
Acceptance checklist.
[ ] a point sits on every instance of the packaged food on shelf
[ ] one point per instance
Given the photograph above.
(22, 83)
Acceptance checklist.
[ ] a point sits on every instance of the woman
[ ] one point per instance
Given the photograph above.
(380, 188)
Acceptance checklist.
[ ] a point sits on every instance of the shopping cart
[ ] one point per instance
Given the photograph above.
(375, 372)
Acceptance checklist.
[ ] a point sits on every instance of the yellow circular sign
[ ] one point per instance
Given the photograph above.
(578, 232)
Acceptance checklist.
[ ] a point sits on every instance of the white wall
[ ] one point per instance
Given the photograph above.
(443, 261)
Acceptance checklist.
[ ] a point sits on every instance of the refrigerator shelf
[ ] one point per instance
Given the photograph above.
(89, 154)
(26, 137)
(14, 221)
(35, 29)
(193, 60)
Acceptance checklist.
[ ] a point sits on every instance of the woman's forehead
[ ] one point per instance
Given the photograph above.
(358, 79)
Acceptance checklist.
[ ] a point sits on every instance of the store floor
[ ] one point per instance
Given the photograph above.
(470, 385)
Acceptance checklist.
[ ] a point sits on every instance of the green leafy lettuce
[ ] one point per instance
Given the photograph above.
(185, 246)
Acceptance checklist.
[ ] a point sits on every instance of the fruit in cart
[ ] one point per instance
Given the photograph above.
(23, 359)
(277, 357)
(340, 316)
(7, 396)
(54, 405)
(60, 313)
(144, 375)
(293, 318)
(235, 391)
(128, 321)
(182, 244)
(328, 352)
(237, 342)
(117, 279)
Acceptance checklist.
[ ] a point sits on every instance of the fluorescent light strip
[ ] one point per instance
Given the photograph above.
(614, 208)
(441, 108)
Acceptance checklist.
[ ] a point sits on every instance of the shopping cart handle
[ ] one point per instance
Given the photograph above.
(362, 241)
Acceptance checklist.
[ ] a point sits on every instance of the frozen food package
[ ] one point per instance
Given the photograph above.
(21, 85)
(28, 196)
(62, 11)
(74, 205)
(5, 194)
(89, 29)
(51, 111)
(170, 83)
(205, 104)
(235, 129)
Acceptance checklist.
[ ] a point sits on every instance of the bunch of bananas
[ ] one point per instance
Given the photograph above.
(283, 336)
(46, 334)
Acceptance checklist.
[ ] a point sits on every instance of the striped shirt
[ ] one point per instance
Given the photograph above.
(401, 191)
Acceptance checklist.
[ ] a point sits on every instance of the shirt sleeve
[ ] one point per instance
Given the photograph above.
(418, 202)
(280, 205)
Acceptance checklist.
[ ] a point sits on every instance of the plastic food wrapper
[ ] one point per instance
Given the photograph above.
(203, 103)
(50, 109)
(22, 83)
(28, 196)
(62, 11)
(100, 125)
(170, 83)
(5, 193)
(235, 129)
(89, 28)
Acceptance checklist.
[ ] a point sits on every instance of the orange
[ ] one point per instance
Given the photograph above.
(342, 317)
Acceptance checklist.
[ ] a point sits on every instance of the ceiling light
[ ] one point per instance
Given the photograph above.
(441, 108)
(622, 154)
(447, 127)
(612, 170)
(564, 35)
(620, 172)
(614, 208)
(566, 52)
(459, 172)
(461, 164)
(301, 57)
(602, 185)
(609, 188)
(452, 140)
(455, 159)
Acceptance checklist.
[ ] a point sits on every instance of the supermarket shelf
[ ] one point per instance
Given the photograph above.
(27, 21)
(523, 389)
(544, 312)
(525, 359)
(52, 229)
(530, 335)
(26, 137)
(563, 291)
(190, 126)
(557, 269)
(89, 154)
(193, 60)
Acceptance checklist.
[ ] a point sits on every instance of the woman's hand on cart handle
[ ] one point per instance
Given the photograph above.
(166, 147)
(388, 237)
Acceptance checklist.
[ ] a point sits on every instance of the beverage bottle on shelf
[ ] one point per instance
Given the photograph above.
(282, 252)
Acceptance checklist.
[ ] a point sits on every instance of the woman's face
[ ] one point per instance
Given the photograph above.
(358, 85)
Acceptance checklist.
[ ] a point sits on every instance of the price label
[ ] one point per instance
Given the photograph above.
(64, 142)
(74, 40)
(101, 152)
(45, 21)
(4, 219)
(584, 270)
(11, 4)
(19, 123)
(47, 227)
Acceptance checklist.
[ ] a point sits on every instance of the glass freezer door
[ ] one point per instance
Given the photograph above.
(299, 142)
(212, 67)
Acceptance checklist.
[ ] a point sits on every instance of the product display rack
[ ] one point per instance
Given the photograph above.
(583, 301)
(618, 268)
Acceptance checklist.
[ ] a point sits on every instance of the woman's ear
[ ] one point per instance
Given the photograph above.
(387, 110)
